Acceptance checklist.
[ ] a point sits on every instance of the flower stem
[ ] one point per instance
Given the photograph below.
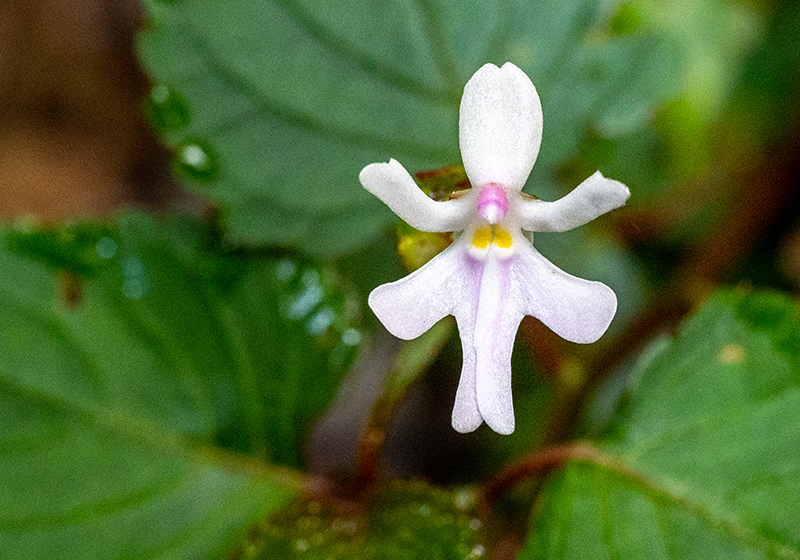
(413, 359)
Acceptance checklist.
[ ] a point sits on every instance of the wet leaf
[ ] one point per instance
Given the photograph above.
(293, 97)
(701, 461)
(141, 421)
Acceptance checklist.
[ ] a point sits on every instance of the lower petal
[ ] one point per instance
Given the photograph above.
(496, 327)
(575, 309)
(466, 415)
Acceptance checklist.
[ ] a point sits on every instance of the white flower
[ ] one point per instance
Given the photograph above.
(491, 276)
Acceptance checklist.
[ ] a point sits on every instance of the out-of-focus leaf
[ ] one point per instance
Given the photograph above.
(404, 521)
(770, 81)
(273, 107)
(82, 481)
(702, 460)
(715, 37)
(80, 248)
(713, 41)
(125, 415)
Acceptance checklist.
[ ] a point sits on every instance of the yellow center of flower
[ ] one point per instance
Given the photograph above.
(483, 237)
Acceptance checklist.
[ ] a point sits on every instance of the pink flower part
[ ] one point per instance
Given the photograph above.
(492, 203)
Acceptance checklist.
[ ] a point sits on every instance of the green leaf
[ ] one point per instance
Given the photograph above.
(702, 460)
(127, 411)
(86, 482)
(78, 248)
(403, 521)
(274, 106)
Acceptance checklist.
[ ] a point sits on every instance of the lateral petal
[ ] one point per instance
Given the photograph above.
(575, 309)
(592, 198)
(410, 306)
(394, 185)
(500, 126)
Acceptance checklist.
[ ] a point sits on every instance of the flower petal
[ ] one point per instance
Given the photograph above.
(466, 415)
(496, 325)
(410, 306)
(448, 284)
(393, 185)
(575, 309)
(592, 198)
(500, 126)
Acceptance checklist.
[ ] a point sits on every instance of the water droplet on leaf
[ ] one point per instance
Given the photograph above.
(319, 323)
(134, 284)
(478, 551)
(198, 161)
(285, 270)
(168, 110)
(351, 337)
(310, 296)
(106, 248)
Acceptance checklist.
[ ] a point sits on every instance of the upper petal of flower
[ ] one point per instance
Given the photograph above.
(500, 126)
(393, 185)
(575, 309)
(592, 198)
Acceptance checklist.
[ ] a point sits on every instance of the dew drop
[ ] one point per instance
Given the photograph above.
(464, 500)
(168, 110)
(478, 551)
(309, 297)
(301, 545)
(134, 284)
(351, 337)
(319, 323)
(285, 270)
(198, 161)
(133, 289)
(106, 248)
(424, 510)
(133, 267)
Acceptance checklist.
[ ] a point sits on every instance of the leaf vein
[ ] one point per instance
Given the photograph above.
(725, 525)
(56, 326)
(346, 51)
(303, 121)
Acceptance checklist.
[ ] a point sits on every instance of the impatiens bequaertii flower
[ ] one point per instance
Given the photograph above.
(491, 276)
